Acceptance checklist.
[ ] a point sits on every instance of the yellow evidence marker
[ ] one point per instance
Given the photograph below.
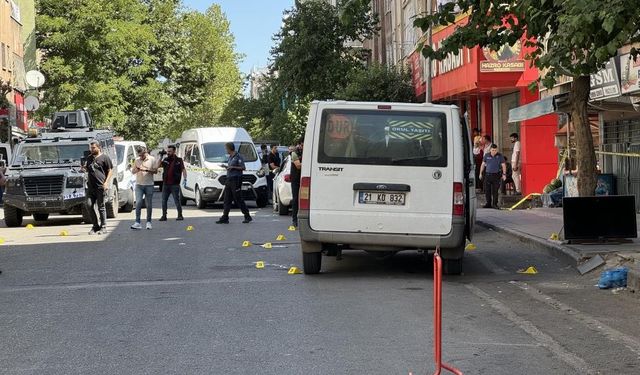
(246, 244)
(30, 226)
(470, 247)
(64, 233)
(260, 265)
(281, 237)
(268, 245)
(554, 237)
(292, 229)
(190, 228)
(529, 271)
(294, 271)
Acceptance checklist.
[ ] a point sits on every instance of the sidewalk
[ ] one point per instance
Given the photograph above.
(537, 225)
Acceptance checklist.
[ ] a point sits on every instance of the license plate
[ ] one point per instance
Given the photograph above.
(74, 195)
(373, 197)
(43, 198)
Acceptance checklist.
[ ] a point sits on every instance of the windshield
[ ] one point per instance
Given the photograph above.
(50, 154)
(383, 138)
(215, 152)
(119, 153)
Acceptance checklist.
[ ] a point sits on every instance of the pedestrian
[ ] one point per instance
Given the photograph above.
(173, 170)
(274, 163)
(233, 186)
(508, 180)
(496, 169)
(516, 163)
(296, 171)
(486, 144)
(99, 168)
(144, 167)
(478, 153)
(477, 138)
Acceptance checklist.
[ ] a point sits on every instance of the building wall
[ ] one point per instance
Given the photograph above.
(10, 40)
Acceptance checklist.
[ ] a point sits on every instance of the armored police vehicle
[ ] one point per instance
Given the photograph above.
(45, 174)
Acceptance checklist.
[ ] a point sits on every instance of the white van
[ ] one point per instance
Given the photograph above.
(204, 154)
(126, 153)
(386, 177)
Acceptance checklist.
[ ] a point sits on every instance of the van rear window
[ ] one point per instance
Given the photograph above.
(383, 138)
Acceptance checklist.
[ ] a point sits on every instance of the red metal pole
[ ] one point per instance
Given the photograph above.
(437, 316)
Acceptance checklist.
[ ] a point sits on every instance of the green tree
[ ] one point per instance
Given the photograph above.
(377, 83)
(566, 37)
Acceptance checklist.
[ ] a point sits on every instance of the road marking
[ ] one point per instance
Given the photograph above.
(128, 284)
(545, 340)
(493, 344)
(580, 317)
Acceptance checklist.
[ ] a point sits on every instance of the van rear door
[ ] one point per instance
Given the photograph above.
(382, 169)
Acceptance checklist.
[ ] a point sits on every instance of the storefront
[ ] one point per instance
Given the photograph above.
(486, 85)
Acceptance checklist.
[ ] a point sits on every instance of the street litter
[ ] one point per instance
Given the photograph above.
(614, 278)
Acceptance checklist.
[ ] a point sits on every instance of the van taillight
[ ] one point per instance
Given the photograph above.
(305, 193)
(287, 178)
(458, 199)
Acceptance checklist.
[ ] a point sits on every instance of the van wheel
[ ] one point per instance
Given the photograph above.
(282, 209)
(199, 202)
(112, 207)
(452, 266)
(40, 217)
(128, 207)
(12, 216)
(311, 262)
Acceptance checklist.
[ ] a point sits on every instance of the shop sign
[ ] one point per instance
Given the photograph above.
(506, 59)
(629, 72)
(417, 78)
(605, 84)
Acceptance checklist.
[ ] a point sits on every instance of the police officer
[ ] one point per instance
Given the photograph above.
(496, 170)
(233, 186)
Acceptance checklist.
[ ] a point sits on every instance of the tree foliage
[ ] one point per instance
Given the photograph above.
(563, 37)
(145, 68)
(377, 83)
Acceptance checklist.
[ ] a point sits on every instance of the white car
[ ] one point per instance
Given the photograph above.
(126, 153)
(386, 177)
(203, 152)
(282, 195)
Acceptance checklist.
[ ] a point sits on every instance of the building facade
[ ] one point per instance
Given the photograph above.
(17, 44)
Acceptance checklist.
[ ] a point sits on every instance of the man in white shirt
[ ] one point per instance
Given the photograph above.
(515, 162)
(144, 167)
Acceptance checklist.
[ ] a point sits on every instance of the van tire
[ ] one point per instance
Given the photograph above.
(40, 217)
(112, 207)
(452, 266)
(311, 263)
(282, 209)
(128, 206)
(12, 216)
(200, 203)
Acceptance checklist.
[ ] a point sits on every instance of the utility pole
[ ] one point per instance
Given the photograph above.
(429, 93)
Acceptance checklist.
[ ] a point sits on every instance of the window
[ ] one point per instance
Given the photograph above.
(187, 153)
(383, 138)
(215, 152)
(119, 154)
(3, 58)
(409, 42)
(195, 154)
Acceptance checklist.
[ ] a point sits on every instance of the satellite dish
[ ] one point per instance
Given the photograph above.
(35, 79)
(31, 103)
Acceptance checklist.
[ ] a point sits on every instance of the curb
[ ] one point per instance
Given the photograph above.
(633, 279)
(559, 251)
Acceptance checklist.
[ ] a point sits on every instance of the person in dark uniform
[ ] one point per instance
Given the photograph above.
(296, 171)
(173, 170)
(99, 167)
(233, 186)
(496, 171)
(273, 162)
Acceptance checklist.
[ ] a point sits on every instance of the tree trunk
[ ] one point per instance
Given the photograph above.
(585, 153)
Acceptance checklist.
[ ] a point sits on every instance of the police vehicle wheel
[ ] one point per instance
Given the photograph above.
(452, 266)
(12, 216)
(311, 263)
(40, 217)
(112, 207)
(282, 209)
(199, 202)
(262, 201)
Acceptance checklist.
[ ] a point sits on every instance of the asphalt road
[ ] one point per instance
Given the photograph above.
(172, 301)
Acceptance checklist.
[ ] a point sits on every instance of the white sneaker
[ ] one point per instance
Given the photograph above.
(136, 226)
(149, 225)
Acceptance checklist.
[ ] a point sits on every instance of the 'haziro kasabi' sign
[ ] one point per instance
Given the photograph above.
(605, 84)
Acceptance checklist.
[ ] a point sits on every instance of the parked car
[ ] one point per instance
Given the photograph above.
(203, 151)
(126, 154)
(282, 196)
(386, 177)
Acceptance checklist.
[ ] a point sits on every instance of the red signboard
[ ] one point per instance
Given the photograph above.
(417, 76)
(21, 112)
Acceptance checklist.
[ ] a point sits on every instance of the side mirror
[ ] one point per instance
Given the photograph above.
(3, 164)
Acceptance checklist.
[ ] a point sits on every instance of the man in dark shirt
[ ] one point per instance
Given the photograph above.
(496, 169)
(100, 171)
(273, 162)
(233, 186)
(173, 170)
(296, 171)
